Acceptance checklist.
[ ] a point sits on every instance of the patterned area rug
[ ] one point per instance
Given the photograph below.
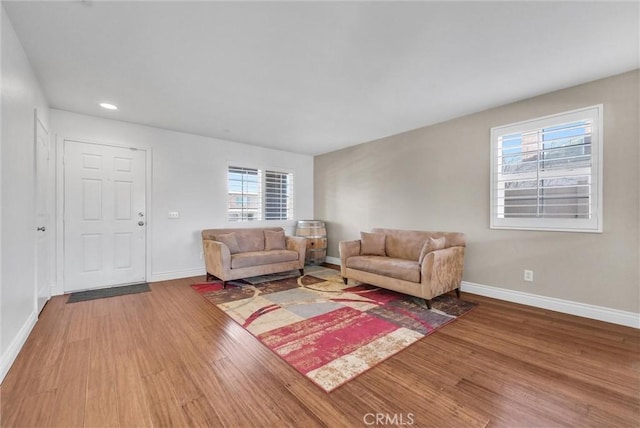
(329, 331)
(271, 277)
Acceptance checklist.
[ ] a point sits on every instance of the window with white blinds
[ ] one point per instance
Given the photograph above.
(546, 173)
(278, 195)
(256, 194)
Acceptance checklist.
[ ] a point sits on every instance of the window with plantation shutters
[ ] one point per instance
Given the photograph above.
(546, 173)
(255, 194)
(278, 192)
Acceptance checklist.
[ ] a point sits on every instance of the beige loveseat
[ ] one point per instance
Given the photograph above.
(418, 263)
(242, 253)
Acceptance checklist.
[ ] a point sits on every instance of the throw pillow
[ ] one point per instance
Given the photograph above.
(432, 244)
(230, 240)
(372, 244)
(274, 240)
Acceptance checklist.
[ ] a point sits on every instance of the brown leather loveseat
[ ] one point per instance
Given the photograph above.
(419, 263)
(242, 253)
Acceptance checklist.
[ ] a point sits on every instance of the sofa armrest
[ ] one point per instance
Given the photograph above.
(347, 249)
(217, 258)
(299, 244)
(441, 271)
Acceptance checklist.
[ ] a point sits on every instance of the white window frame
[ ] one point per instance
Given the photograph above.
(592, 224)
(262, 191)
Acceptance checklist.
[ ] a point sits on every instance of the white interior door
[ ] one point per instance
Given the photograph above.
(104, 216)
(43, 217)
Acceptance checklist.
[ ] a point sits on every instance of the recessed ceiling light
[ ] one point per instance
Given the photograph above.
(108, 106)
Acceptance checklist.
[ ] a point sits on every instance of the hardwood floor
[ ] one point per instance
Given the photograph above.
(170, 358)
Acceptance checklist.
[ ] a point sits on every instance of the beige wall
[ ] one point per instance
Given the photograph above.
(437, 178)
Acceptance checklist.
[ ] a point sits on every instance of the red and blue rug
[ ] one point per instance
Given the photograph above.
(329, 331)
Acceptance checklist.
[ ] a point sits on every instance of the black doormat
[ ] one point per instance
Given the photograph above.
(81, 296)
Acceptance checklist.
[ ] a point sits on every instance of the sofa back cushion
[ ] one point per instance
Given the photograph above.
(249, 239)
(372, 244)
(407, 244)
(274, 240)
(230, 240)
(432, 244)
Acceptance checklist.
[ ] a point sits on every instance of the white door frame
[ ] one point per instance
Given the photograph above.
(60, 284)
(38, 121)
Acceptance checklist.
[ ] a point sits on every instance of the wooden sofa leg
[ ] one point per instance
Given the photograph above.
(428, 302)
(345, 280)
(213, 278)
(301, 272)
(458, 292)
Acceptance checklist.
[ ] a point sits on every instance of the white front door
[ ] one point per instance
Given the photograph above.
(104, 216)
(43, 209)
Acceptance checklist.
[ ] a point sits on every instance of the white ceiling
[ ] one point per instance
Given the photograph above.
(313, 77)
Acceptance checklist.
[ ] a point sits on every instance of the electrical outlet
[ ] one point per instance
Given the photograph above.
(528, 275)
(174, 214)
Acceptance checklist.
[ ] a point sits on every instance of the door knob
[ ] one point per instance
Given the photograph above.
(42, 229)
(141, 223)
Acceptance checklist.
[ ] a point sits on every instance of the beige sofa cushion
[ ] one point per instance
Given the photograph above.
(432, 244)
(407, 270)
(258, 258)
(274, 240)
(230, 240)
(251, 240)
(372, 244)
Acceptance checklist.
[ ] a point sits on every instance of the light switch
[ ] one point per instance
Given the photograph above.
(174, 214)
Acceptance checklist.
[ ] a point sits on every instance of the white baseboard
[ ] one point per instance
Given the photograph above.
(177, 274)
(18, 342)
(333, 260)
(615, 316)
(56, 290)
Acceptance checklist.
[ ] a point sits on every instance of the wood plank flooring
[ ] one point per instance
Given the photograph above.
(170, 358)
